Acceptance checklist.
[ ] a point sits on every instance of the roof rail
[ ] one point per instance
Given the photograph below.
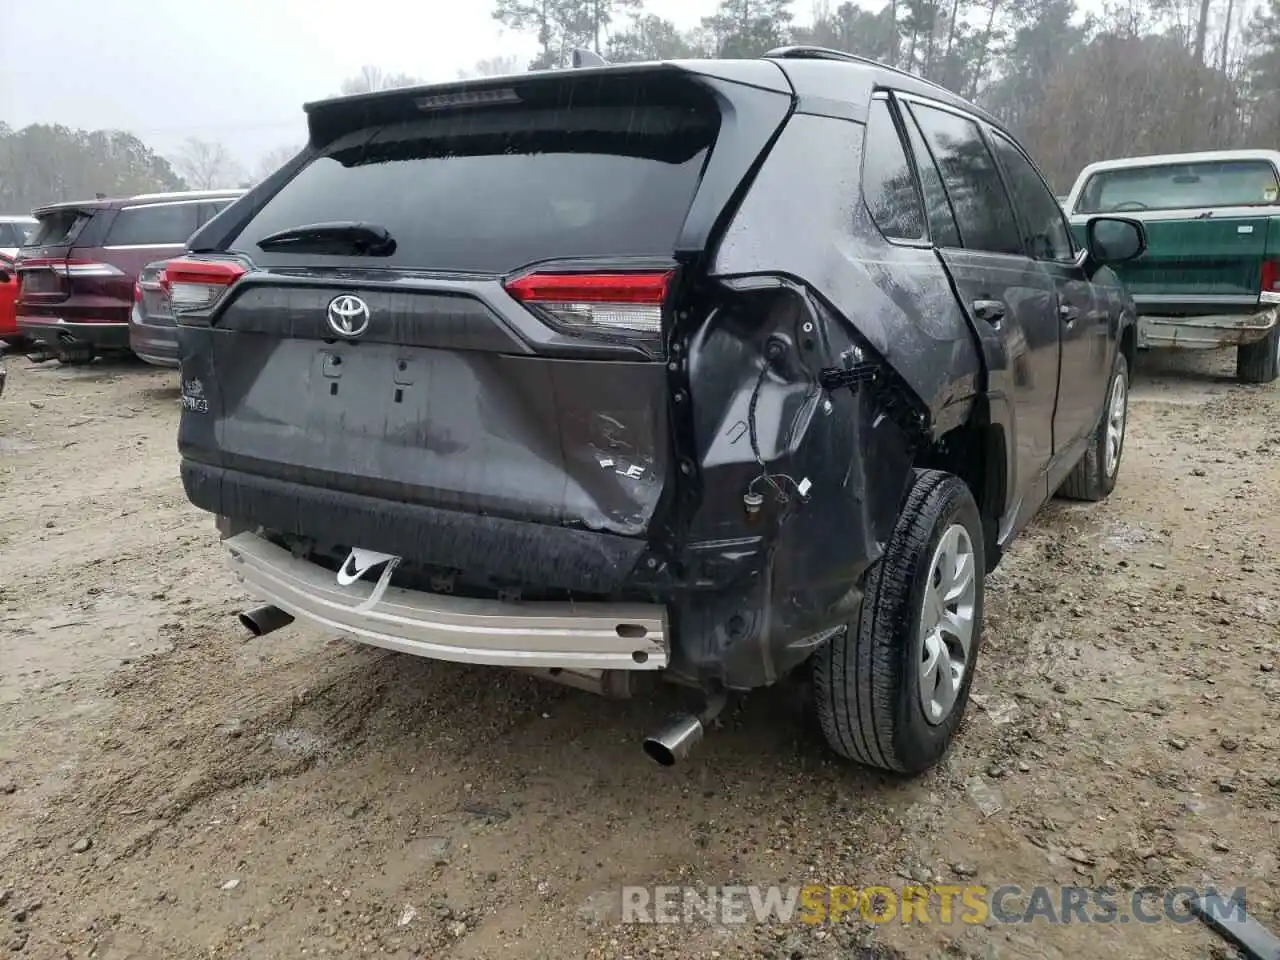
(184, 194)
(803, 52)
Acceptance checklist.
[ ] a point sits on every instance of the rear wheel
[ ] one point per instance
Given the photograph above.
(891, 689)
(1094, 477)
(1259, 362)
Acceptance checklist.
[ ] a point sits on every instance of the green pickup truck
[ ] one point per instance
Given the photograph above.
(1210, 277)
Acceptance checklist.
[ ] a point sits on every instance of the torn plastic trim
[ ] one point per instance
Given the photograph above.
(808, 438)
(860, 365)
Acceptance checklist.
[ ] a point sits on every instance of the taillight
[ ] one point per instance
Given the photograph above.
(1270, 287)
(195, 285)
(137, 292)
(77, 269)
(603, 303)
(45, 276)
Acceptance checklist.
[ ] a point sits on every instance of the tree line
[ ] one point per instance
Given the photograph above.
(1139, 77)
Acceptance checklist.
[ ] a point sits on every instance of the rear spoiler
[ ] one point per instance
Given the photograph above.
(327, 120)
(86, 207)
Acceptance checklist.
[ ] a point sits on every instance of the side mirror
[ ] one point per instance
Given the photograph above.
(1111, 240)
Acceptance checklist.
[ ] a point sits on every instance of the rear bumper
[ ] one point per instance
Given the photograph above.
(584, 561)
(588, 636)
(103, 336)
(154, 343)
(1205, 332)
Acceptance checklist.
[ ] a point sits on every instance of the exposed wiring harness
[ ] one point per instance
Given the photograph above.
(781, 483)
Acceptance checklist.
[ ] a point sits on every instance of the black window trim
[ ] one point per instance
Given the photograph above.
(925, 242)
(991, 134)
(981, 125)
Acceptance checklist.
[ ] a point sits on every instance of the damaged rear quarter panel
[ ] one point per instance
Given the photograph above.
(869, 352)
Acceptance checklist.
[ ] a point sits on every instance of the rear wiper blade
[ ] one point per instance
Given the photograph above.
(337, 237)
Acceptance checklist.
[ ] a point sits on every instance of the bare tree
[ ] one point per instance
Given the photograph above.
(371, 78)
(492, 67)
(206, 164)
(273, 160)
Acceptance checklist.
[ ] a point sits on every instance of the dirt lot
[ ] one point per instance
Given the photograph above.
(169, 788)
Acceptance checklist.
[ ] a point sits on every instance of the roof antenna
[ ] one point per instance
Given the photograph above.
(586, 58)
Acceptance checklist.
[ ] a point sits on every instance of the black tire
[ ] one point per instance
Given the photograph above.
(1089, 479)
(867, 679)
(1259, 362)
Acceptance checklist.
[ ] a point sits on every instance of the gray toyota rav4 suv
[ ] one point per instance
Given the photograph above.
(720, 369)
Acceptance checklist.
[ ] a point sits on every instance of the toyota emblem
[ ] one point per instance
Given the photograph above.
(348, 315)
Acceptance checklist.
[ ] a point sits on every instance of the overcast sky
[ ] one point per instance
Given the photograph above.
(235, 70)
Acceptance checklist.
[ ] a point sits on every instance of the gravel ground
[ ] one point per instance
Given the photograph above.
(170, 788)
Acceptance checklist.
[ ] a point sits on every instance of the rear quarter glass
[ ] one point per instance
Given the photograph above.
(562, 180)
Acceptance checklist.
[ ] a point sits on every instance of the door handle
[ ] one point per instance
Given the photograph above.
(990, 311)
(1067, 313)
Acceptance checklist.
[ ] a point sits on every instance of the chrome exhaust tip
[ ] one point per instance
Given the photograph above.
(675, 741)
(682, 733)
(263, 620)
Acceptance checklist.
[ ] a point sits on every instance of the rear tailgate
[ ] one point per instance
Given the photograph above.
(1209, 226)
(445, 390)
(63, 272)
(42, 263)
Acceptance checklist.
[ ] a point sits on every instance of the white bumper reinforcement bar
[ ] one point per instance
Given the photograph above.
(585, 636)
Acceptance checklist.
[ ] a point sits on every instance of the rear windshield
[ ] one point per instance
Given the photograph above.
(59, 227)
(154, 225)
(1181, 186)
(493, 189)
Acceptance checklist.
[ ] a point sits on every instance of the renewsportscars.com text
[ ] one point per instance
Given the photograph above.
(943, 904)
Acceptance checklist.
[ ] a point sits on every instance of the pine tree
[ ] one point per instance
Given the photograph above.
(749, 28)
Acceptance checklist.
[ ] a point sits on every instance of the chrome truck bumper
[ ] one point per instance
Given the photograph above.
(1206, 332)
(534, 635)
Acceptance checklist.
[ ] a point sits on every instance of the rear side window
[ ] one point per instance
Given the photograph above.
(59, 227)
(1044, 229)
(982, 208)
(496, 188)
(887, 183)
(154, 225)
(1181, 186)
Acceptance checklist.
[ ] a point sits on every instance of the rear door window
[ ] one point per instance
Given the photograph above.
(887, 183)
(982, 208)
(491, 190)
(153, 225)
(1181, 186)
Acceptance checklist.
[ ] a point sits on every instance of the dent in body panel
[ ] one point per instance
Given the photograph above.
(854, 349)
(519, 437)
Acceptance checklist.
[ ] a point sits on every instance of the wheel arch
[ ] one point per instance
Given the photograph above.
(1129, 344)
(977, 452)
